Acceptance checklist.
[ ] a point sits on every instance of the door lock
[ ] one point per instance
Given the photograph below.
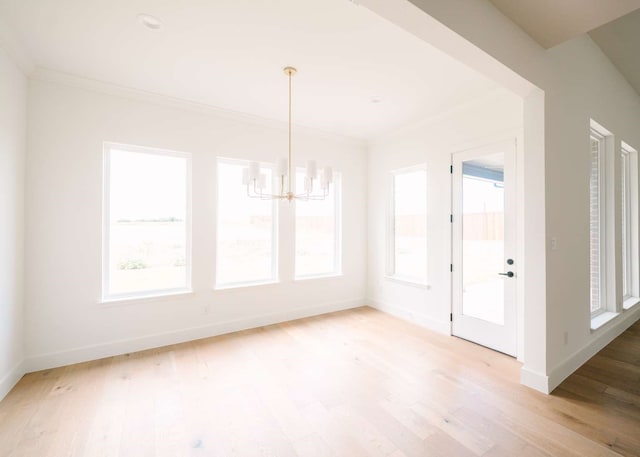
(509, 274)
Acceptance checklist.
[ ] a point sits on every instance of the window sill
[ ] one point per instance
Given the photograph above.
(601, 319)
(321, 276)
(131, 299)
(242, 285)
(408, 282)
(630, 303)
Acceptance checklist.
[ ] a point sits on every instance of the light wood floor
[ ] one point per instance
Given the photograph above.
(354, 383)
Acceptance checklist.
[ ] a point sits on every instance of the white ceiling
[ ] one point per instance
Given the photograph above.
(230, 54)
(551, 22)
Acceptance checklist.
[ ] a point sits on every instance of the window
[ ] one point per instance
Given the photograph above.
(246, 235)
(318, 228)
(597, 222)
(146, 241)
(625, 222)
(629, 222)
(408, 225)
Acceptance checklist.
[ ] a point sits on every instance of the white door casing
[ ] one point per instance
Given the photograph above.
(484, 284)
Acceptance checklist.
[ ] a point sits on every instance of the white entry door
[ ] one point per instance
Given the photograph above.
(484, 266)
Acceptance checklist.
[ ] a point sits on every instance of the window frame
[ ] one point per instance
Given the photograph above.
(630, 259)
(337, 206)
(597, 135)
(391, 273)
(107, 148)
(275, 257)
(625, 223)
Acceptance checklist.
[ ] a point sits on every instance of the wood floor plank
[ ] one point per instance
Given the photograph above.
(354, 383)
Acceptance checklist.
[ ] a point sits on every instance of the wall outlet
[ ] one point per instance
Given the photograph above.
(554, 243)
(566, 338)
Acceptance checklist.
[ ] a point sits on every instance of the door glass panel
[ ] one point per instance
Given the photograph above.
(483, 238)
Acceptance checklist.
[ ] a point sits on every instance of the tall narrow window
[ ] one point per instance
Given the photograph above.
(246, 235)
(146, 222)
(318, 227)
(597, 222)
(625, 222)
(629, 223)
(408, 225)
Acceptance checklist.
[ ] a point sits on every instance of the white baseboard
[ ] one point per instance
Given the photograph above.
(99, 351)
(9, 380)
(443, 327)
(605, 336)
(534, 380)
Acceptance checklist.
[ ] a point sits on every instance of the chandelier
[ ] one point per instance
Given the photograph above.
(316, 182)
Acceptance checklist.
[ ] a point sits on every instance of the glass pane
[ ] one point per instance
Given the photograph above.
(625, 245)
(315, 232)
(410, 225)
(483, 238)
(245, 249)
(147, 212)
(594, 225)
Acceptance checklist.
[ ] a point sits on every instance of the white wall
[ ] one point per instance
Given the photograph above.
(67, 126)
(579, 83)
(492, 118)
(13, 102)
(584, 85)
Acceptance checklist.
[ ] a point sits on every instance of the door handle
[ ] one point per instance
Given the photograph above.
(509, 274)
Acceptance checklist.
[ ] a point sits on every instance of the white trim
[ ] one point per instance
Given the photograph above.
(601, 319)
(133, 299)
(633, 262)
(407, 282)
(107, 148)
(534, 380)
(599, 129)
(112, 348)
(602, 198)
(606, 335)
(57, 77)
(241, 285)
(439, 326)
(320, 276)
(630, 303)
(391, 232)
(10, 379)
(501, 337)
(626, 223)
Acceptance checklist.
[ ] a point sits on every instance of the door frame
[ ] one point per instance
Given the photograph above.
(517, 137)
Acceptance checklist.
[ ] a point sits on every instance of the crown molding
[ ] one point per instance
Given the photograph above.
(58, 77)
(15, 50)
(448, 112)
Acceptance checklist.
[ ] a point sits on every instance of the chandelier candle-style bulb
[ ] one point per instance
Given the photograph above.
(327, 175)
(254, 171)
(312, 169)
(283, 167)
(256, 182)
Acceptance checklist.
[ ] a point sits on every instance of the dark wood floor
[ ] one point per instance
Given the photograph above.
(353, 383)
